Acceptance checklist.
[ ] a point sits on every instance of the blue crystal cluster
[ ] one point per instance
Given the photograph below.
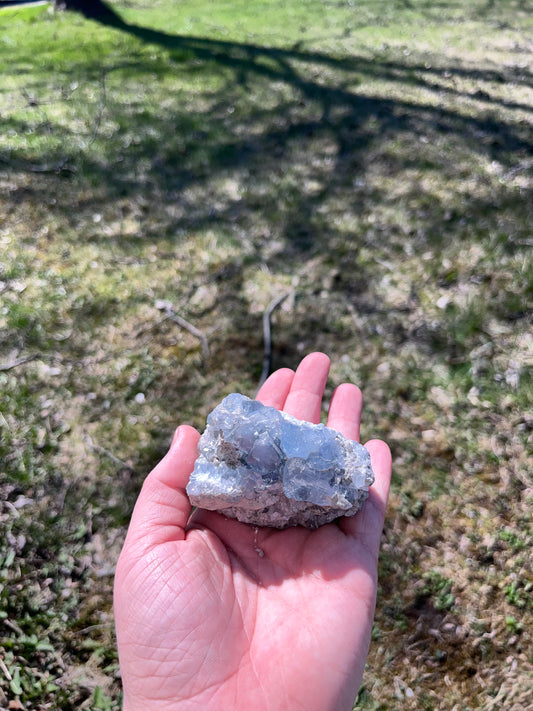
(266, 468)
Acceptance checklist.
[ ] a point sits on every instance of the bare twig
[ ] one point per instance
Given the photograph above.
(150, 327)
(183, 323)
(13, 627)
(101, 450)
(267, 335)
(170, 314)
(61, 165)
(15, 363)
(6, 671)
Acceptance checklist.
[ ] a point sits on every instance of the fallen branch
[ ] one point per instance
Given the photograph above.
(267, 335)
(169, 312)
(101, 450)
(15, 363)
(150, 327)
(193, 331)
(5, 670)
(58, 167)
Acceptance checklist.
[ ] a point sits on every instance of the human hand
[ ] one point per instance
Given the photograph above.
(212, 613)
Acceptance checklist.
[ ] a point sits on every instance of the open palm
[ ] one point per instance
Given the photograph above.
(216, 614)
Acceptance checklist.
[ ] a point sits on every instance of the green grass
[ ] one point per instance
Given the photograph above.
(371, 158)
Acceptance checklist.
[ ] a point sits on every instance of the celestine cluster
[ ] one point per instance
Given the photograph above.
(264, 467)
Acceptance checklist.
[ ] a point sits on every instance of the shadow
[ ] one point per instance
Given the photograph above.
(270, 556)
(91, 9)
(293, 153)
(388, 192)
(248, 59)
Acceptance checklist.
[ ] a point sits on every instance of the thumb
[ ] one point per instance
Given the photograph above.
(163, 509)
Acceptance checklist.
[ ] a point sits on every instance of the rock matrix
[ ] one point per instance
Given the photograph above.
(266, 468)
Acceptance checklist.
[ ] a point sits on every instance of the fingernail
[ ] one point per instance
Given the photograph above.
(176, 437)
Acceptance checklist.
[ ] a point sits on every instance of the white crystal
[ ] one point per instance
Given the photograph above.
(266, 468)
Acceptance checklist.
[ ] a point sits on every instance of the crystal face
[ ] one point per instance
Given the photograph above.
(266, 468)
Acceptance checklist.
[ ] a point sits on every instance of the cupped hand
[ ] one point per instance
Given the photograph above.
(216, 614)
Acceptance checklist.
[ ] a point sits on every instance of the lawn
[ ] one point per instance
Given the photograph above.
(162, 180)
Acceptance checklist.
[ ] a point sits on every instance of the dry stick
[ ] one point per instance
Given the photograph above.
(32, 168)
(5, 670)
(192, 330)
(150, 327)
(267, 336)
(171, 315)
(14, 627)
(101, 450)
(15, 363)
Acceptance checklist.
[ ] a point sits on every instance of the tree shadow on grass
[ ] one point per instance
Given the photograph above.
(352, 119)
(292, 146)
(293, 164)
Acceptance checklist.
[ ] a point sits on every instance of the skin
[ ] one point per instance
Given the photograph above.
(215, 614)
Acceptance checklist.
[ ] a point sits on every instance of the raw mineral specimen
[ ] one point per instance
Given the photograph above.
(266, 468)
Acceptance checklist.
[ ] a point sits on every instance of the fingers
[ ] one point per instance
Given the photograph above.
(163, 508)
(367, 524)
(304, 399)
(275, 389)
(381, 459)
(345, 410)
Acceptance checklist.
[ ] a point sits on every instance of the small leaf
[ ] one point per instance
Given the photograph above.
(15, 684)
(10, 557)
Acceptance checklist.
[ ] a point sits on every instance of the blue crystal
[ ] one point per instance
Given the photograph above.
(266, 468)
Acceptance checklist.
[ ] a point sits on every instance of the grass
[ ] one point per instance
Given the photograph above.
(374, 161)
